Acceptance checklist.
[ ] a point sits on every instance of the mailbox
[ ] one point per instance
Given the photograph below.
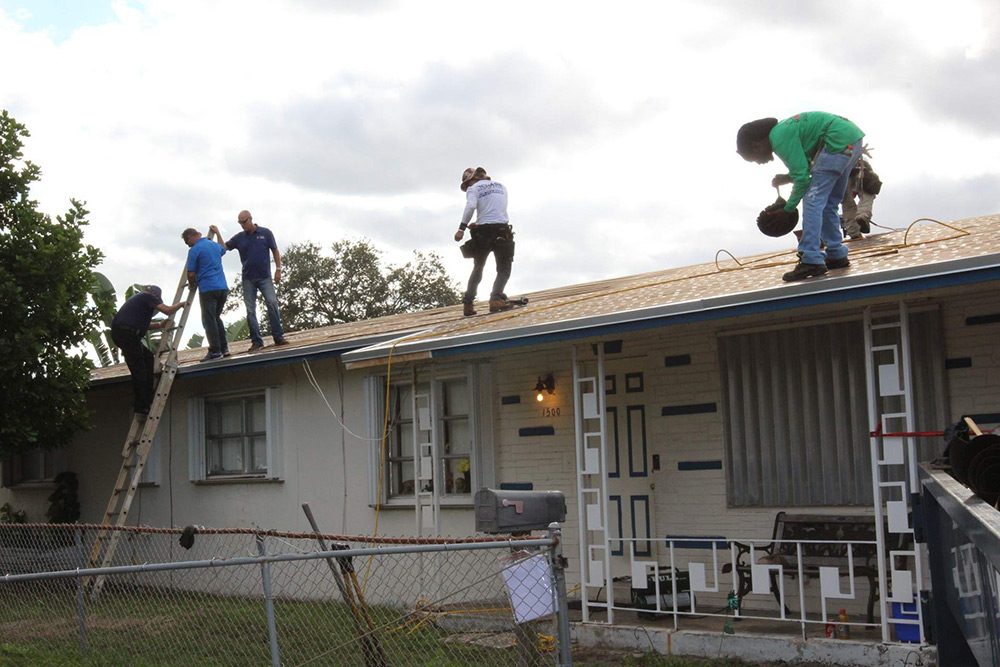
(500, 511)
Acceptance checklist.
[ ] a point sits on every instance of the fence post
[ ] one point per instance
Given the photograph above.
(80, 611)
(564, 650)
(272, 630)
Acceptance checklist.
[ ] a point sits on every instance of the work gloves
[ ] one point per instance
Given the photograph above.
(775, 220)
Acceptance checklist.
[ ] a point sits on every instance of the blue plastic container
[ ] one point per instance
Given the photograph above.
(906, 632)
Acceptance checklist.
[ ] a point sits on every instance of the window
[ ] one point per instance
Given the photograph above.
(433, 435)
(235, 436)
(34, 466)
(796, 412)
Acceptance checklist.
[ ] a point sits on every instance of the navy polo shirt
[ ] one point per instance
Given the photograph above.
(255, 252)
(137, 312)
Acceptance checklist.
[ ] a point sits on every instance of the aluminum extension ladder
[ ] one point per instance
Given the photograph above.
(140, 437)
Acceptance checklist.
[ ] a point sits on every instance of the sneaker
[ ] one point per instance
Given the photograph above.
(468, 310)
(499, 305)
(803, 270)
(227, 353)
(280, 341)
(865, 225)
(254, 347)
(840, 263)
(212, 355)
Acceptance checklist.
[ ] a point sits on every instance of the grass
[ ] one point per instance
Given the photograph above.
(166, 628)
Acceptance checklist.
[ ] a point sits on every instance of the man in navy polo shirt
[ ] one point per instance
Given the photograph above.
(256, 246)
(204, 271)
(127, 331)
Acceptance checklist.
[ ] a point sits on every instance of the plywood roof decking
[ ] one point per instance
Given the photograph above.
(872, 259)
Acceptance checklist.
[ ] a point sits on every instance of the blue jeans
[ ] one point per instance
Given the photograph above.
(266, 287)
(212, 303)
(820, 219)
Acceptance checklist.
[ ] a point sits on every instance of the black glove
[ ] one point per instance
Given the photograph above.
(775, 220)
(187, 537)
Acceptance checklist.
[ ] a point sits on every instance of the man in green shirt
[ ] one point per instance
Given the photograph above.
(819, 149)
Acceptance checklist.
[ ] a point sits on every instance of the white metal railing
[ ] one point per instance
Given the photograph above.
(693, 576)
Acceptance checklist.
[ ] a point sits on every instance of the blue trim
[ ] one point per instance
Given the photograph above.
(975, 320)
(677, 360)
(699, 465)
(986, 418)
(642, 383)
(649, 545)
(718, 540)
(645, 454)
(620, 551)
(618, 459)
(517, 486)
(958, 362)
(510, 400)
(774, 305)
(694, 409)
(536, 430)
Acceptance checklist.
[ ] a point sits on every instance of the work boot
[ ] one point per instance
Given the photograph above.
(840, 263)
(254, 347)
(499, 305)
(803, 270)
(865, 225)
(468, 310)
(280, 341)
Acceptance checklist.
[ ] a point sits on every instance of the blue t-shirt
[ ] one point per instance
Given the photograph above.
(205, 259)
(255, 252)
(137, 312)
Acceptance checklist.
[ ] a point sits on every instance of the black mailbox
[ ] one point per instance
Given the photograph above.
(500, 511)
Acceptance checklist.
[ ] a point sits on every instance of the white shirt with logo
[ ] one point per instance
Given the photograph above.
(489, 200)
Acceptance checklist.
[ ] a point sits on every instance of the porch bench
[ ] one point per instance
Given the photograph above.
(836, 529)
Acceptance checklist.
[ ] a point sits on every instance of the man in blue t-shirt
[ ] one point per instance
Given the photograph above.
(204, 271)
(256, 246)
(128, 328)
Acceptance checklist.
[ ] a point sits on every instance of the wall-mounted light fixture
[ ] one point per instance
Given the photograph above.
(546, 385)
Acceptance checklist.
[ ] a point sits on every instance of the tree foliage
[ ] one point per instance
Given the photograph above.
(351, 284)
(46, 273)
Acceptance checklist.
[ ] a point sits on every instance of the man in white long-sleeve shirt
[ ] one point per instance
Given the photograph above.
(490, 233)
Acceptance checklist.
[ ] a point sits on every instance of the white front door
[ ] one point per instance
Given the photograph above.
(630, 473)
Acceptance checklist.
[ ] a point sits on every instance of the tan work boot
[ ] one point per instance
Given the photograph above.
(498, 305)
(468, 310)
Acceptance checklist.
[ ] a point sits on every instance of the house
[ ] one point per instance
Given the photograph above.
(679, 410)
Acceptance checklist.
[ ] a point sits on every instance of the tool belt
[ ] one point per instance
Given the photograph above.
(495, 238)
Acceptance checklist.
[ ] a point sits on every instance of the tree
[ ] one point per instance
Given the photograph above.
(352, 284)
(238, 330)
(46, 272)
(102, 293)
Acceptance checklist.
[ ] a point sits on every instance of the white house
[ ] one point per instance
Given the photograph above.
(724, 394)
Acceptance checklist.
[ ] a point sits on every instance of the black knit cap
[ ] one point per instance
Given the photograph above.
(751, 133)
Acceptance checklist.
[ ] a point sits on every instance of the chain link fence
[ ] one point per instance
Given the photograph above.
(246, 597)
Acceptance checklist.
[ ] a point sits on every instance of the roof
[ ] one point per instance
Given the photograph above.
(930, 254)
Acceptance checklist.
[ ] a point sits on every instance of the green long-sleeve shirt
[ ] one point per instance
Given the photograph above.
(798, 139)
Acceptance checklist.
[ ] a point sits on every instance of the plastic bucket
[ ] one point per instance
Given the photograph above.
(906, 632)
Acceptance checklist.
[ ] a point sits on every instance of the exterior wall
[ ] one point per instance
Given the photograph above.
(315, 448)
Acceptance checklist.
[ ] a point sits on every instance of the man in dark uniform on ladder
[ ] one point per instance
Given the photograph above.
(128, 328)
(490, 233)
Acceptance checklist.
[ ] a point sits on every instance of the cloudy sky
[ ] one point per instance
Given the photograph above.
(611, 124)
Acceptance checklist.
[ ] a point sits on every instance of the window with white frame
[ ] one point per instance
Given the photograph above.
(434, 433)
(235, 436)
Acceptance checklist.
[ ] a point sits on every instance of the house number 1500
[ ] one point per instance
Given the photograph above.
(551, 412)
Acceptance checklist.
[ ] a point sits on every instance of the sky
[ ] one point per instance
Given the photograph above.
(612, 125)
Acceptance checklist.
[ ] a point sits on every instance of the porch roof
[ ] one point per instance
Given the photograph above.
(928, 255)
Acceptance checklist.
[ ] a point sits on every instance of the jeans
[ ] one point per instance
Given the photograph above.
(820, 219)
(140, 364)
(499, 240)
(266, 288)
(212, 303)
